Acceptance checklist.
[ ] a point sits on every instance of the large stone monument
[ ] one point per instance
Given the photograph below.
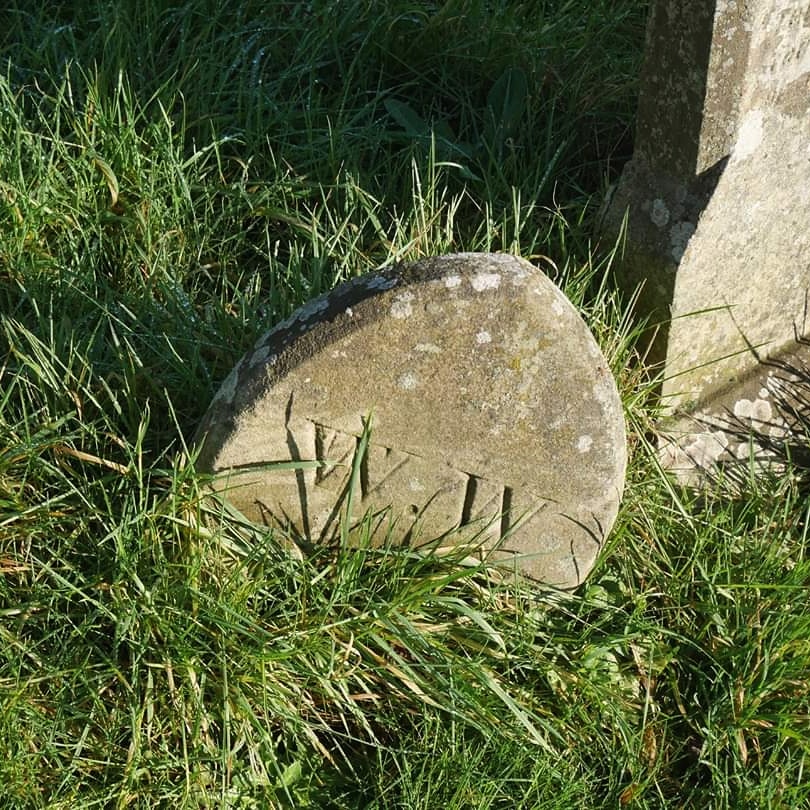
(717, 198)
(495, 419)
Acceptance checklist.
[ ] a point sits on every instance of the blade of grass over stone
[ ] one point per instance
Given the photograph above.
(354, 483)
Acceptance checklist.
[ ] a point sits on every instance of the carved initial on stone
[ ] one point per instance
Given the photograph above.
(393, 477)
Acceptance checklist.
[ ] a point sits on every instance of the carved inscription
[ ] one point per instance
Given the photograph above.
(414, 486)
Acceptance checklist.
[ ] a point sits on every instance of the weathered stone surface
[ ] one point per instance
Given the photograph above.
(717, 193)
(493, 409)
(757, 426)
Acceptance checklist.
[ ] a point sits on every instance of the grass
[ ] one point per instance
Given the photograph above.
(175, 178)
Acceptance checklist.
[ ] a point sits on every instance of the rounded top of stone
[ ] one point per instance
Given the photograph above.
(493, 408)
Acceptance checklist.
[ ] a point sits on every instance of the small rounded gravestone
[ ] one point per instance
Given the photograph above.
(493, 412)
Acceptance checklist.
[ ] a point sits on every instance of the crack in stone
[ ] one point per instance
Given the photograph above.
(469, 500)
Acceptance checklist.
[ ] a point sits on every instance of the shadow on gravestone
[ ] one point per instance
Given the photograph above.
(496, 419)
(681, 147)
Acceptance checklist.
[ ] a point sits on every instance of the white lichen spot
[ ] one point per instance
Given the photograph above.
(763, 393)
(485, 281)
(483, 337)
(281, 326)
(707, 448)
(759, 411)
(452, 281)
(749, 135)
(259, 357)
(749, 449)
(517, 273)
(402, 307)
(742, 409)
(679, 236)
(557, 306)
(379, 282)
(408, 381)
(227, 391)
(604, 392)
(659, 213)
(300, 320)
(584, 443)
(311, 310)
(415, 485)
(427, 348)
(350, 312)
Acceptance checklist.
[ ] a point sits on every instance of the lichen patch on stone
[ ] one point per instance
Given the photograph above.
(758, 410)
(402, 307)
(260, 355)
(659, 213)
(227, 391)
(679, 236)
(408, 381)
(485, 281)
(749, 135)
(379, 282)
